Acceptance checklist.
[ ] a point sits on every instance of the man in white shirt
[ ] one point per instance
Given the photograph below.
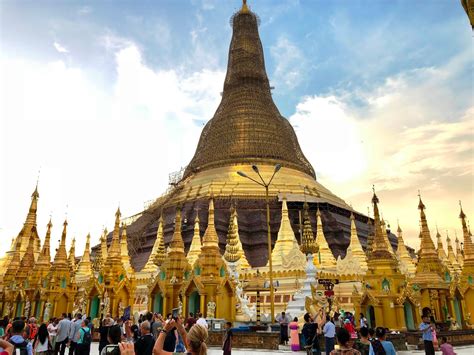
(202, 321)
(329, 331)
(64, 326)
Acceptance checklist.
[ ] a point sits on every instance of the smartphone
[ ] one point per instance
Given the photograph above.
(112, 349)
(175, 313)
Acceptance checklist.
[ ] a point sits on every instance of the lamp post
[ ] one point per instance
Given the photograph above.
(269, 235)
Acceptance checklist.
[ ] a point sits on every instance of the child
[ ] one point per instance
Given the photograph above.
(227, 344)
(446, 348)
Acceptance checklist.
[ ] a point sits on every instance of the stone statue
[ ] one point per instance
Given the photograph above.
(211, 309)
(106, 305)
(84, 305)
(47, 312)
(8, 309)
(121, 308)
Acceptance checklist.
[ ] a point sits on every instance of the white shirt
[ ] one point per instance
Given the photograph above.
(203, 322)
(52, 329)
(42, 347)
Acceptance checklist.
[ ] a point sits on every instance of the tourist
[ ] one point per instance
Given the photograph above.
(19, 343)
(202, 321)
(363, 344)
(446, 348)
(345, 343)
(380, 345)
(83, 346)
(329, 331)
(190, 321)
(195, 340)
(283, 320)
(310, 335)
(104, 333)
(64, 326)
(42, 341)
(114, 337)
(227, 343)
(156, 325)
(363, 321)
(74, 332)
(144, 344)
(337, 320)
(294, 336)
(53, 331)
(31, 329)
(427, 334)
(350, 328)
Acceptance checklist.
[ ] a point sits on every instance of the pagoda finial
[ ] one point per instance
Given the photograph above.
(245, 8)
(158, 253)
(177, 243)
(84, 268)
(355, 248)
(407, 266)
(325, 257)
(468, 250)
(210, 238)
(378, 249)
(124, 255)
(72, 255)
(451, 256)
(308, 244)
(60, 259)
(231, 253)
(113, 252)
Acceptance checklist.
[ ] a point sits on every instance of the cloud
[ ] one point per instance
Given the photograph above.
(290, 62)
(84, 10)
(96, 147)
(60, 48)
(412, 132)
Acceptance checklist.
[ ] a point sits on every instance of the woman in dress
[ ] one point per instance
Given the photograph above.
(294, 336)
(41, 343)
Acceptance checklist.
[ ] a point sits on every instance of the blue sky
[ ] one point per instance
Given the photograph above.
(378, 91)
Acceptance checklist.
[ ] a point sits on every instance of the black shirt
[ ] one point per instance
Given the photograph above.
(144, 345)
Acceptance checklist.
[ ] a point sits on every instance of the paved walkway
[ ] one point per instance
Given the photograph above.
(460, 350)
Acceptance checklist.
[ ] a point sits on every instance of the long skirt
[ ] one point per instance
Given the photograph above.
(294, 340)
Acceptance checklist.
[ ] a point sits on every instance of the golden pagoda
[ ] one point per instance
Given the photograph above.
(381, 300)
(459, 251)
(286, 253)
(29, 228)
(195, 249)
(443, 257)
(234, 253)
(466, 281)
(72, 256)
(405, 261)
(452, 257)
(124, 255)
(84, 268)
(324, 259)
(158, 253)
(430, 274)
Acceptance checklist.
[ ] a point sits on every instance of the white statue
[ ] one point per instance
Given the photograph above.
(121, 308)
(211, 309)
(106, 305)
(8, 309)
(47, 312)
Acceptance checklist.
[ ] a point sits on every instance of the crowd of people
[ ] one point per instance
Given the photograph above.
(152, 335)
(157, 335)
(341, 329)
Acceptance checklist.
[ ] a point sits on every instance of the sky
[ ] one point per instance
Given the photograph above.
(102, 100)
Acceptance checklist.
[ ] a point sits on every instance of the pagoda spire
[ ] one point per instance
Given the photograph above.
(101, 254)
(428, 268)
(13, 264)
(124, 255)
(60, 259)
(355, 247)
(440, 248)
(195, 248)
(177, 244)
(45, 256)
(29, 227)
(27, 263)
(451, 256)
(407, 265)
(72, 255)
(386, 237)
(286, 250)
(459, 252)
(113, 253)
(325, 258)
(379, 248)
(84, 268)
(158, 253)
(370, 237)
(468, 251)
(308, 244)
(234, 251)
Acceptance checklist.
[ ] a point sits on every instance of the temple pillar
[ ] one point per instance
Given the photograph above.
(202, 304)
(379, 315)
(165, 305)
(401, 323)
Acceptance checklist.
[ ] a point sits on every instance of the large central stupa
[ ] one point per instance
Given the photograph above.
(246, 129)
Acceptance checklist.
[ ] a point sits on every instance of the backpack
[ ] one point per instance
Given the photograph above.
(87, 337)
(378, 347)
(23, 347)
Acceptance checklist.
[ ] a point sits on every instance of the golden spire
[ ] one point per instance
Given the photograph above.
(325, 258)
(29, 227)
(234, 251)
(210, 259)
(385, 237)
(429, 267)
(177, 244)
(27, 261)
(14, 263)
(286, 250)
(124, 255)
(44, 259)
(407, 264)
(379, 247)
(114, 249)
(60, 259)
(468, 246)
(459, 252)
(195, 248)
(84, 268)
(451, 256)
(308, 244)
(355, 247)
(158, 253)
(370, 236)
(245, 8)
(101, 254)
(72, 255)
(440, 248)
